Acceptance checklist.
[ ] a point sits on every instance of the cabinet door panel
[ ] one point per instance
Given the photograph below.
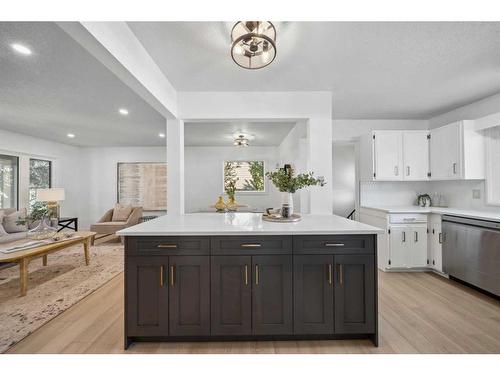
(416, 155)
(445, 152)
(189, 306)
(147, 296)
(272, 295)
(231, 296)
(398, 246)
(354, 294)
(418, 246)
(388, 155)
(313, 294)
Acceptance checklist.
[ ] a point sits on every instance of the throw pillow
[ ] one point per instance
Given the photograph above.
(121, 212)
(10, 222)
(2, 229)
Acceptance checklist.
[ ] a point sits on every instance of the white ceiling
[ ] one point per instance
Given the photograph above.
(221, 133)
(374, 70)
(62, 89)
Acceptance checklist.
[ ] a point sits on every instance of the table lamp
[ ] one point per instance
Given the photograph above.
(52, 196)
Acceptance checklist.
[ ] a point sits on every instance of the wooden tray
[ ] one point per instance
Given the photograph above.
(292, 219)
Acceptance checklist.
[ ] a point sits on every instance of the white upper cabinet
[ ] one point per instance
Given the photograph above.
(416, 155)
(457, 152)
(388, 155)
(394, 155)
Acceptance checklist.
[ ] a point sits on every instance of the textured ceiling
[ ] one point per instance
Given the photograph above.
(221, 133)
(62, 89)
(374, 70)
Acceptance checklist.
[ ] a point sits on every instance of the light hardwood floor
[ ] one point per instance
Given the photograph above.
(418, 313)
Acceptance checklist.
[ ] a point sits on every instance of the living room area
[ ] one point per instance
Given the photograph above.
(81, 157)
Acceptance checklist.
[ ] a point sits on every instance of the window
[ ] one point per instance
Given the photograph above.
(248, 176)
(40, 177)
(8, 181)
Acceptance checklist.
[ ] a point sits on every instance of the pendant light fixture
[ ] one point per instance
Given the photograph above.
(253, 44)
(241, 141)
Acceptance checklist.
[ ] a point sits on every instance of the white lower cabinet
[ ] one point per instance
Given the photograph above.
(408, 246)
(435, 246)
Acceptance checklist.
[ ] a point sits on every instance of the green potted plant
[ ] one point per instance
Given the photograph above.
(38, 214)
(288, 183)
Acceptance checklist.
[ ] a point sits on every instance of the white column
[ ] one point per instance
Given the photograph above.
(319, 161)
(175, 167)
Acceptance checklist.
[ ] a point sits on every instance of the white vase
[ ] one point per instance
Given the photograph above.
(287, 199)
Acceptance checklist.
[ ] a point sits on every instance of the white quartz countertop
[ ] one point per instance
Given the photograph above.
(204, 224)
(473, 214)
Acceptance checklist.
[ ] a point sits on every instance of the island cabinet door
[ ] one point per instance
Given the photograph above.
(147, 296)
(272, 306)
(231, 295)
(354, 294)
(189, 297)
(313, 294)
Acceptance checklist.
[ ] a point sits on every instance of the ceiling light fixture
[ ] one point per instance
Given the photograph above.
(253, 44)
(241, 141)
(161, 135)
(71, 135)
(123, 111)
(21, 49)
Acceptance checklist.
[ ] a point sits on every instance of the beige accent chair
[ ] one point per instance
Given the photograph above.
(106, 226)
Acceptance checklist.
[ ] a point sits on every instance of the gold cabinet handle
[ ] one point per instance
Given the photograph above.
(167, 246)
(330, 274)
(161, 276)
(251, 245)
(172, 275)
(341, 274)
(246, 274)
(334, 244)
(256, 274)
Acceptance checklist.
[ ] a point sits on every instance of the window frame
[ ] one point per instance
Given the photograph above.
(29, 173)
(246, 192)
(16, 157)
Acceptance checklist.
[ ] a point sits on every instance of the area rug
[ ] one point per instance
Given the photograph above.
(53, 288)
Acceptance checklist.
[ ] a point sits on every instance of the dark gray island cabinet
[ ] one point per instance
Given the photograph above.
(256, 287)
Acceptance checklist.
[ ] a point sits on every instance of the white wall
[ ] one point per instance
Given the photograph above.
(470, 111)
(344, 178)
(101, 178)
(67, 168)
(349, 130)
(204, 176)
(293, 152)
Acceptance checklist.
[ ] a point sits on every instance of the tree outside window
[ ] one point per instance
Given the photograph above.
(247, 176)
(40, 178)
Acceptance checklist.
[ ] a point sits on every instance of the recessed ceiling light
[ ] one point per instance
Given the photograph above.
(123, 111)
(161, 135)
(21, 49)
(71, 135)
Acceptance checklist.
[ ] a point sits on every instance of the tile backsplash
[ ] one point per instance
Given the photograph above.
(460, 194)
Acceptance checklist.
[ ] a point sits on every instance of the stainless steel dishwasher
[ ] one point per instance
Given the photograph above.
(471, 251)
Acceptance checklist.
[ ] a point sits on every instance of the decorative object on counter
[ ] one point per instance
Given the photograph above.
(278, 218)
(52, 196)
(442, 201)
(220, 206)
(287, 184)
(424, 200)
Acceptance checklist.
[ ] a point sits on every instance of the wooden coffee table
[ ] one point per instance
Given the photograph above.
(23, 257)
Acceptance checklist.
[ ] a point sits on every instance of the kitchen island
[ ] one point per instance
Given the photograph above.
(234, 276)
